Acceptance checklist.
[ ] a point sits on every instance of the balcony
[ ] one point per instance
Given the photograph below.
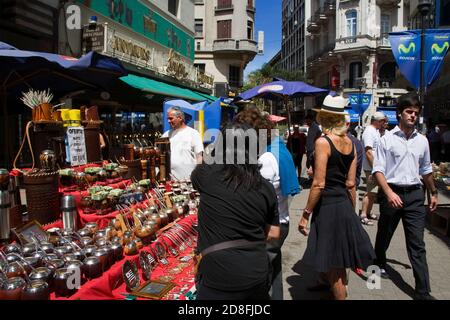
(329, 8)
(199, 2)
(251, 9)
(223, 6)
(388, 3)
(383, 42)
(312, 26)
(320, 16)
(235, 46)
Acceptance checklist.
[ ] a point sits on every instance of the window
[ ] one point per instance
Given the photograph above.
(445, 16)
(250, 3)
(385, 26)
(199, 28)
(224, 4)
(199, 45)
(387, 74)
(224, 29)
(234, 76)
(351, 18)
(355, 72)
(173, 7)
(201, 67)
(250, 30)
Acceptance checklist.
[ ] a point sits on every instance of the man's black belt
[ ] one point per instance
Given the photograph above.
(410, 188)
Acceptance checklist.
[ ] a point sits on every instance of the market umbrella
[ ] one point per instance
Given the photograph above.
(275, 118)
(281, 90)
(23, 70)
(20, 70)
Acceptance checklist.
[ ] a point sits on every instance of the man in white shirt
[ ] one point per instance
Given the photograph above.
(402, 159)
(370, 139)
(186, 146)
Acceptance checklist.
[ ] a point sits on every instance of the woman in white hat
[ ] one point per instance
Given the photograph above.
(336, 240)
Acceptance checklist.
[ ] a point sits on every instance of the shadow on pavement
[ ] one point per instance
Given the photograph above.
(397, 279)
(306, 277)
(404, 265)
(437, 234)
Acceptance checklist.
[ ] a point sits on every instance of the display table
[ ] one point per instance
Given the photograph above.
(110, 286)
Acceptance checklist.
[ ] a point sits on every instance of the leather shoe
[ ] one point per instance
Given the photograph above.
(384, 274)
(319, 287)
(423, 296)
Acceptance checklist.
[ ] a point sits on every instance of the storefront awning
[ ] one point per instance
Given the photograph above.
(207, 96)
(162, 88)
(391, 114)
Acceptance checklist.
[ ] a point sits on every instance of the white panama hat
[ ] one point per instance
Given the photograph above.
(334, 105)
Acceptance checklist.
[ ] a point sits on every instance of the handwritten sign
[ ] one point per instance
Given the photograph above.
(77, 146)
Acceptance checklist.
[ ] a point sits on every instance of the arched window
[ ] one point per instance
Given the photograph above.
(387, 74)
(355, 71)
(351, 19)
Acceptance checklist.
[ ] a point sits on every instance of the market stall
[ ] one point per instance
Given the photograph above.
(128, 239)
(440, 219)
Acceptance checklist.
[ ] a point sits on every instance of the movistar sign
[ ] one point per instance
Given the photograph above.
(406, 48)
(438, 50)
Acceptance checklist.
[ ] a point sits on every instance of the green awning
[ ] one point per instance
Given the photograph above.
(162, 88)
(207, 96)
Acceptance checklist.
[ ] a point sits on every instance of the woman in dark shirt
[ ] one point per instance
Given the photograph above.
(235, 203)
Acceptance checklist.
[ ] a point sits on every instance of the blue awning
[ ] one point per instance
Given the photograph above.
(354, 116)
(391, 114)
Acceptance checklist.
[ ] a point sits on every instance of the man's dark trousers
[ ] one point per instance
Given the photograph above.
(413, 216)
(274, 252)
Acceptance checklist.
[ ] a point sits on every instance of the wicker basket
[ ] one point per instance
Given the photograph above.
(134, 168)
(43, 198)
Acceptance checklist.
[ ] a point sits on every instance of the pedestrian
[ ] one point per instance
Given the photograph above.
(370, 139)
(337, 239)
(237, 215)
(314, 132)
(402, 158)
(434, 142)
(359, 151)
(445, 137)
(277, 166)
(186, 146)
(296, 145)
(384, 128)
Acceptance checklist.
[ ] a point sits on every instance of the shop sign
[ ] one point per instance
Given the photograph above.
(205, 79)
(94, 38)
(128, 47)
(77, 146)
(175, 67)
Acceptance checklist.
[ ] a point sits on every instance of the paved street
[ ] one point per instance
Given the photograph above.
(297, 276)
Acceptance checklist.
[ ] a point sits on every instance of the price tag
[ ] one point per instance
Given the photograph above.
(76, 146)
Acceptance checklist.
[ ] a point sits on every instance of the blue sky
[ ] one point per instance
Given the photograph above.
(268, 19)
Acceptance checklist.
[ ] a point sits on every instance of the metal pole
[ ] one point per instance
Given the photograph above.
(289, 120)
(422, 74)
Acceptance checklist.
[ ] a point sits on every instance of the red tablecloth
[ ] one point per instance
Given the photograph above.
(110, 285)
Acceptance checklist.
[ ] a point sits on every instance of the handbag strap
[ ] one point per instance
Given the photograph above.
(229, 244)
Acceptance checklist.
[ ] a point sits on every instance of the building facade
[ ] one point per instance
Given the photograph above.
(293, 35)
(155, 36)
(348, 48)
(225, 41)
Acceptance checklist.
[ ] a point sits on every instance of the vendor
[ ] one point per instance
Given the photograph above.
(186, 145)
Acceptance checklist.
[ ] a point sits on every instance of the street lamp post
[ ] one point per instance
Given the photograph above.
(424, 7)
(361, 83)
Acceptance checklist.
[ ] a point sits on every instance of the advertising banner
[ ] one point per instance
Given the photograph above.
(406, 48)
(359, 102)
(437, 43)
